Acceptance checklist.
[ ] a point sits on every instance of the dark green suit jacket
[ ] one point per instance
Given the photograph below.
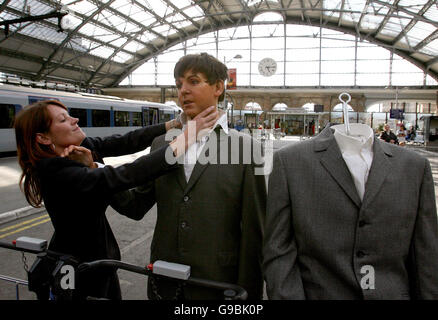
(213, 222)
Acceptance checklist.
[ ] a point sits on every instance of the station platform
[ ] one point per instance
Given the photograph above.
(13, 204)
(17, 218)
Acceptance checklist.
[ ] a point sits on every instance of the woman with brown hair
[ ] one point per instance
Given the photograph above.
(58, 168)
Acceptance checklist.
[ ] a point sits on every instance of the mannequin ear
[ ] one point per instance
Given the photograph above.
(220, 86)
(43, 139)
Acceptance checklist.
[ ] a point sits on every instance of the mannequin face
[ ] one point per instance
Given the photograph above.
(386, 127)
(195, 94)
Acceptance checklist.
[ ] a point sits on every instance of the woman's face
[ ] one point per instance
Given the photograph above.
(64, 130)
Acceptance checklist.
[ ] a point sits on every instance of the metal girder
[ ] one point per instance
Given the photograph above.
(302, 9)
(39, 60)
(313, 22)
(127, 18)
(170, 4)
(427, 40)
(158, 18)
(218, 16)
(341, 13)
(69, 37)
(364, 11)
(352, 31)
(386, 19)
(54, 26)
(431, 62)
(402, 9)
(4, 5)
(411, 24)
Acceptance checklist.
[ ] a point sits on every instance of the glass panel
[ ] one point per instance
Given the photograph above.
(379, 119)
(121, 118)
(81, 114)
(7, 115)
(365, 118)
(100, 118)
(136, 119)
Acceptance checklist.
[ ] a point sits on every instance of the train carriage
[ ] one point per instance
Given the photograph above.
(98, 115)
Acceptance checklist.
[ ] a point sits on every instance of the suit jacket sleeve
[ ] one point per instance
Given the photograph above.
(118, 145)
(424, 248)
(253, 216)
(135, 203)
(106, 181)
(281, 271)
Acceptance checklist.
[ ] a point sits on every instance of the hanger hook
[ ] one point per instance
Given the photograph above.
(345, 94)
(345, 111)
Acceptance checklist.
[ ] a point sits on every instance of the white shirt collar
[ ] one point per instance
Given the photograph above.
(357, 151)
(361, 136)
(222, 121)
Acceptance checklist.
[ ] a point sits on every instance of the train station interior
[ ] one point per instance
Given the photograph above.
(295, 67)
(383, 53)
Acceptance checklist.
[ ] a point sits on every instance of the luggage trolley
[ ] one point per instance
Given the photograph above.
(40, 280)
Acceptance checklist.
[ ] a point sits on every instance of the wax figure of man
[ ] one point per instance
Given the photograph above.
(211, 209)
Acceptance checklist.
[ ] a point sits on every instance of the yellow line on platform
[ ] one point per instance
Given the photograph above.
(24, 228)
(23, 223)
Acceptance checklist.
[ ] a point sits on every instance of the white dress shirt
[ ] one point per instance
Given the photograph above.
(193, 152)
(357, 151)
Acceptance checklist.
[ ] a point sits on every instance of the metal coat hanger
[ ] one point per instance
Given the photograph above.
(345, 111)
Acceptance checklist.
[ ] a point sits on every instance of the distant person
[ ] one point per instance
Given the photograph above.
(388, 136)
(401, 135)
(59, 169)
(411, 134)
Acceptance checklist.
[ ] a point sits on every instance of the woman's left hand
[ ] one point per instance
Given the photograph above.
(79, 154)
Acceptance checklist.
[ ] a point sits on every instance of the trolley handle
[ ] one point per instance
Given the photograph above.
(231, 291)
(13, 247)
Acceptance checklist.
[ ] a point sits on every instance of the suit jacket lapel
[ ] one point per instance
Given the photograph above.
(181, 176)
(200, 168)
(380, 168)
(331, 159)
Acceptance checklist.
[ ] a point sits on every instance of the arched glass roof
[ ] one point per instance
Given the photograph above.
(313, 41)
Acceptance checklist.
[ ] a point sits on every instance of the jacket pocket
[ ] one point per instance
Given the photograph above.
(227, 259)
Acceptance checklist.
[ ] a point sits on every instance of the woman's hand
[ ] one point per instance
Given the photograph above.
(205, 121)
(79, 154)
(196, 128)
(175, 123)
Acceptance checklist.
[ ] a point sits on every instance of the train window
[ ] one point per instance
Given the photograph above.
(136, 119)
(165, 117)
(7, 115)
(81, 114)
(100, 118)
(121, 118)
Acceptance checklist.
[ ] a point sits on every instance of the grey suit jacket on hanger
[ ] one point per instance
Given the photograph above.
(323, 242)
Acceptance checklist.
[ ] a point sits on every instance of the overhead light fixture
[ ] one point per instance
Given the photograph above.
(60, 14)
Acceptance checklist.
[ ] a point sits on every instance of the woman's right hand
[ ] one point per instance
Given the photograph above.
(205, 121)
(79, 154)
(202, 123)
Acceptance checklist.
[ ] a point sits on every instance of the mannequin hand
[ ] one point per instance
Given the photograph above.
(79, 154)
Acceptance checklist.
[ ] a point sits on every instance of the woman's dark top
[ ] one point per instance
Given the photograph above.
(76, 198)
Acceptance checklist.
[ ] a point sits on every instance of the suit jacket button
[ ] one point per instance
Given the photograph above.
(183, 224)
(186, 198)
(360, 254)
